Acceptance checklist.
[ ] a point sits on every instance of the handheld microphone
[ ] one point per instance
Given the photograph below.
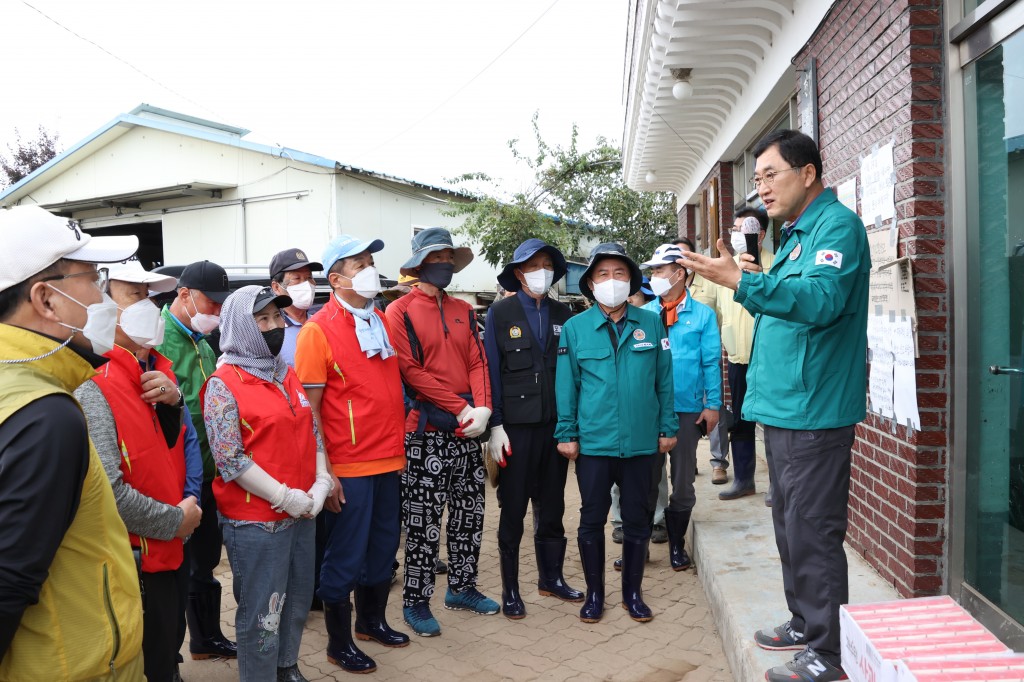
(751, 229)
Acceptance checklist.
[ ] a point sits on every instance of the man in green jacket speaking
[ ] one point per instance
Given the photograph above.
(806, 384)
(613, 389)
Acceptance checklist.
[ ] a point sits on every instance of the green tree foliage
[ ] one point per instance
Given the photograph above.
(26, 155)
(576, 193)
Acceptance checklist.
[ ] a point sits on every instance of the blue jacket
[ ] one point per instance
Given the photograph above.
(808, 363)
(696, 356)
(615, 399)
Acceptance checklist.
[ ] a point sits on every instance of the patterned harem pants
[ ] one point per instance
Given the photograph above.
(442, 469)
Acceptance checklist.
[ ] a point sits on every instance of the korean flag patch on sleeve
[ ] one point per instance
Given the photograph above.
(827, 257)
(664, 344)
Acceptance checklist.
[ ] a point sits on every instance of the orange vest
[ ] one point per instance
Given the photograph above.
(277, 434)
(147, 464)
(362, 412)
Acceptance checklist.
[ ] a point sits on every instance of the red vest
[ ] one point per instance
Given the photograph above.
(362, 411)
(147, 464)
(277, 434)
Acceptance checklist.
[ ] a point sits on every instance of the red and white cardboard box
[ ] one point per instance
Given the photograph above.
(876, 636)
(957, 669)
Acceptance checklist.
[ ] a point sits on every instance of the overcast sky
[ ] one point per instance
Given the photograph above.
(357, 81)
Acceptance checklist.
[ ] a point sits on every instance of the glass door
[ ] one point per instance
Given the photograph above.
(994, 494)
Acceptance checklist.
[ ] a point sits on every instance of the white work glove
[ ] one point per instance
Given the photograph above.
(257, 481)
(294, 502)
(321, 488)
(474, 423)
(499, 445)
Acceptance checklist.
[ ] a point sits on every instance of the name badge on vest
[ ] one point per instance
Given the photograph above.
(515, 332)
(557, 328)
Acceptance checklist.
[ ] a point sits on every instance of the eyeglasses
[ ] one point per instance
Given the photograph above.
(101, 275)
(768, 178)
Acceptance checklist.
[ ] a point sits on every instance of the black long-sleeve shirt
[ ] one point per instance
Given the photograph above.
(44, 456)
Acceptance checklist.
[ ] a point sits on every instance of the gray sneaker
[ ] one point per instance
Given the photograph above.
(806, 666)
(782, 638)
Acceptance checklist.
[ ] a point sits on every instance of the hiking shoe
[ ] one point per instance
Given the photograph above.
(470, 599)
(718, 476)
(782, 638)
(807, 666)
(659, 535)
(617, 535)
(440, 567)
(421, 620)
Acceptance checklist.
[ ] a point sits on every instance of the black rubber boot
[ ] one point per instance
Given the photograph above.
(677, 522)
(744, 463)
(371, 604)
(290, 674)
(592, 555)
(550, 559)
(634, 556)
(511, 600)
(341, 650)
(205, 637)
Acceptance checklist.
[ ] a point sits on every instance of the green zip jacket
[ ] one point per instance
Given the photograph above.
(193, 363)
(808, 362)
(616, 399)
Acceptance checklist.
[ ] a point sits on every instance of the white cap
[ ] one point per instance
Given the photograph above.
(132, 271)
(666, 254)
(33, 239)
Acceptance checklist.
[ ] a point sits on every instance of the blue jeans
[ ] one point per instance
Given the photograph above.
(273, 585)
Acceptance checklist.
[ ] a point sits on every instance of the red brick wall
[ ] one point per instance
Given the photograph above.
(880, 79)
(688, 222)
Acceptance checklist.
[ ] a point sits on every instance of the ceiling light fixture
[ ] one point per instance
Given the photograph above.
(682, 87)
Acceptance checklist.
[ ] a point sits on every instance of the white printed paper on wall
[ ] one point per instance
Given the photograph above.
(878, 186)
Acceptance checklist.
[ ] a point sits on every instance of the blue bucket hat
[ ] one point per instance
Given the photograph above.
(524, 252)
(610, 250)
(435, 239)
(345, 245)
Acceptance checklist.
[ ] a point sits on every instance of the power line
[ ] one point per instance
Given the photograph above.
(467, 83)
(111, 54)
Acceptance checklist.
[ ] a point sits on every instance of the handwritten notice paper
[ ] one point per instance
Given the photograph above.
(880, 383)
(892, 384)
(847, 194)
(905, 396)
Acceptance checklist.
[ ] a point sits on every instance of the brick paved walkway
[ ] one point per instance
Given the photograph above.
(681, 643)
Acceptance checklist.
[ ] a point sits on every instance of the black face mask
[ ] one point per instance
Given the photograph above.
(438, 274)
(274, 339)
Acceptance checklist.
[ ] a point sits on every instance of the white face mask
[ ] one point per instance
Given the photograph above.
(301, 295)
(739, 242)
(100, 322)
(611, 293)
(366, 283)
(201, 322)
(539, 281)
(661, 285)
(143, 324)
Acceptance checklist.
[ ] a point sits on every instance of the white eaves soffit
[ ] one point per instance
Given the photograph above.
(737, 51)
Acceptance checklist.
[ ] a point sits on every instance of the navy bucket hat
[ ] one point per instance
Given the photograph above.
(610, 250)
(524, 252)
(435, 239)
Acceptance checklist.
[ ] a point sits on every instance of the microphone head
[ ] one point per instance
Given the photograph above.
(751, 225)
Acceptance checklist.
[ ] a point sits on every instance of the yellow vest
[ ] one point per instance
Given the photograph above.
(87, 624)
(735, 323)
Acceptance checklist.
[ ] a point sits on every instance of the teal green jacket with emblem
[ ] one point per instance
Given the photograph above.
(808, 362)
(193, 363)
(615, 398)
